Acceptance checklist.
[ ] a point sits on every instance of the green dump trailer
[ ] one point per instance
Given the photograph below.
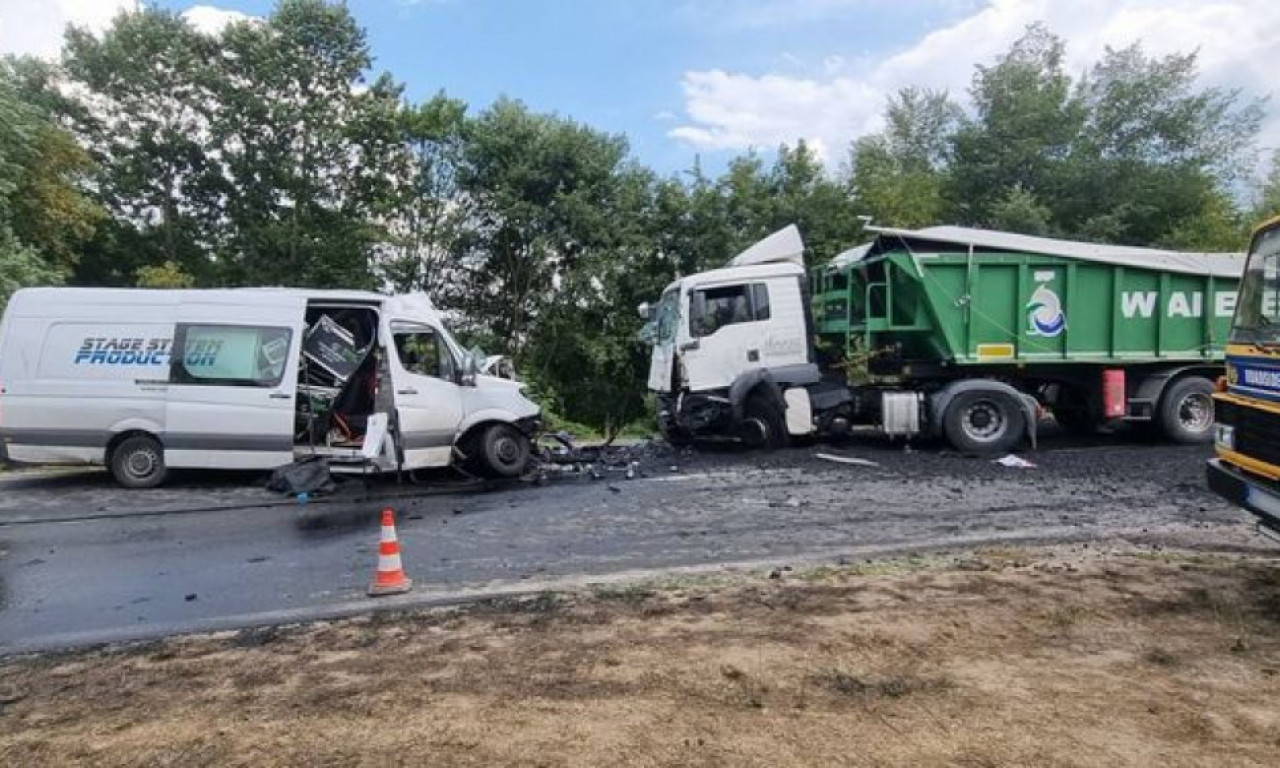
(972, 334)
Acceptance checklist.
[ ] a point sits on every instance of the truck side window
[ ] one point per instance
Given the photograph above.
(424, 353)
(229, 355)
(760, 301)
(728, 305)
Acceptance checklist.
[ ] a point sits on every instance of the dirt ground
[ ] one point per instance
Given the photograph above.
(1080, 656)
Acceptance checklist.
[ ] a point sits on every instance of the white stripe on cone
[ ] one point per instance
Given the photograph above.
(388, 563)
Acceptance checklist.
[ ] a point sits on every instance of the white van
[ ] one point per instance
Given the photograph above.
(250, 378)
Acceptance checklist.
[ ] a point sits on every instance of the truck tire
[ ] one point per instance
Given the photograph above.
(504, 450)
(1075, 421)
(1186, 410)
(676, 437)
(138, 462)
(763, 424)
(980, 421)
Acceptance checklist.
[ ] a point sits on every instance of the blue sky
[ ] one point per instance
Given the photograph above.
(614, 64)
(714, 78)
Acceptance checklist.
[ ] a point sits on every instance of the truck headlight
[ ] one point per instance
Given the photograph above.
(1224, 436)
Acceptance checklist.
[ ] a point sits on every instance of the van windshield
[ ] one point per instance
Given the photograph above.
(1258, 314)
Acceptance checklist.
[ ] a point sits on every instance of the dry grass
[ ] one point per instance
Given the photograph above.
(1000, 659)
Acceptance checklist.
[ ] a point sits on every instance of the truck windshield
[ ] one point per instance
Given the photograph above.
(1258, 315)
(666, 317)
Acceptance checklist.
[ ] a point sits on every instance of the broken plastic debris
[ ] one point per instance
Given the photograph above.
(846, 460)
(1017, 462)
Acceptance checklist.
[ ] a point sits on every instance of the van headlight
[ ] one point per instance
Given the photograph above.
(1224, 436)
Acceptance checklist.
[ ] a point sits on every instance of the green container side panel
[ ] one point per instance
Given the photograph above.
(1024, 308)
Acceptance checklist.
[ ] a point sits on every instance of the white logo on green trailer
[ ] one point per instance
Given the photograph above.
(1044, 312)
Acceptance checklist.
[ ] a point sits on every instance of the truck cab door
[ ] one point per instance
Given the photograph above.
(737, 327)
(428, 399)
(230, 401)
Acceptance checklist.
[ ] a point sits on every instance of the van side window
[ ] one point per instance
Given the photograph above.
(714, 308)
(423, 352)
(229, 355)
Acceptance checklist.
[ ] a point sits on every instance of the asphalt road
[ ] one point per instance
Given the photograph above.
(83, 562)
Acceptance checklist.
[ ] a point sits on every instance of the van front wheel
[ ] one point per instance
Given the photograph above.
(138, 462)
(505, 450)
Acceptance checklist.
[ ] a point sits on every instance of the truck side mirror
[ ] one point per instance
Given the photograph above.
(645, 311)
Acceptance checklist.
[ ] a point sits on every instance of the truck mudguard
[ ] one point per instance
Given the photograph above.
(1152, 385)
(770, 378)
(939, 401)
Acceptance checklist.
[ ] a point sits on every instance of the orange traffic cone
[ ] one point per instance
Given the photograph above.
(389, 578)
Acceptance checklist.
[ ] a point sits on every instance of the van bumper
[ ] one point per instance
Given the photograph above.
(1256, 496)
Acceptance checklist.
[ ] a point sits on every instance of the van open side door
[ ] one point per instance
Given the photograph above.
(428, 399)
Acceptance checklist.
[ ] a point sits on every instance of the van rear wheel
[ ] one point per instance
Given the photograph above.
(138, 462)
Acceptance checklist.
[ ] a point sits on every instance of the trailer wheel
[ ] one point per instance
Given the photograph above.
(763, 425)
(505, 450)
(138, 462)
(984, 422)
(1186, 410)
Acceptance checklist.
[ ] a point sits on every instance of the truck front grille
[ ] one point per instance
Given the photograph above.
(1257, 431)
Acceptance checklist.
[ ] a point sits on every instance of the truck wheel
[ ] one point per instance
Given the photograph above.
(676, 437)
(1186, 410)
(504, 450)
(1075, 421)
(763, 425)
(984, 422)
(138, 462)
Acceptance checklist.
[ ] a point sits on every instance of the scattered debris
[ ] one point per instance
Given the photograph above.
(846, 460)
(1015, 462)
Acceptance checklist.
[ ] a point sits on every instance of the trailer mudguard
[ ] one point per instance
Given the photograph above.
(771, 381)
(938, 402)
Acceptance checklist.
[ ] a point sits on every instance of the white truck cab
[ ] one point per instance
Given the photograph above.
(732, 351)
(146, 380)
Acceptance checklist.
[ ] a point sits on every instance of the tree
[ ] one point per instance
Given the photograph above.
(43, 215)
(1155, 153)
(145, 118)
(1027, 117)
(424, 225)
(306, 148)
(898, 175)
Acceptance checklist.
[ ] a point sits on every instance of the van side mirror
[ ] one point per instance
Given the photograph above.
(471, 362)
(646, 311)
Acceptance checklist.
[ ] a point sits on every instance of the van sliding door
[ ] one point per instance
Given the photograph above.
(231, 395)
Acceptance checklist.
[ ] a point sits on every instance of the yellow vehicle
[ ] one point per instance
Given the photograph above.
(1246, 469)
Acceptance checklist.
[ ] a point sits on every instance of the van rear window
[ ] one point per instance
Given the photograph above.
(230, 355)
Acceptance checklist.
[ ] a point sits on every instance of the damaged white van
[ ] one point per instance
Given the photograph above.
(252, 378)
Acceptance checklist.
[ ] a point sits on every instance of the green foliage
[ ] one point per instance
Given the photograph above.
(22, 266)
(166, 275)
(1026, 119)
(44, 217)
(898, 175)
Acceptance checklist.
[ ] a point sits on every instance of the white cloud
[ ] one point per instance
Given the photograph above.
(35, 27)
(211, 20)
(1237, 42)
